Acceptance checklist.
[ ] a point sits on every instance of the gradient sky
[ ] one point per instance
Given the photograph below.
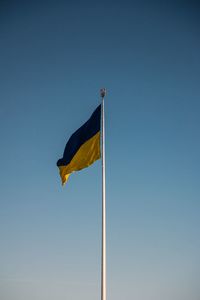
(54, 58)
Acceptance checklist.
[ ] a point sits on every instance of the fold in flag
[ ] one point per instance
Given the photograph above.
(82, 148)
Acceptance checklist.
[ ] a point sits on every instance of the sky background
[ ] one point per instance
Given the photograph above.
(54, 58)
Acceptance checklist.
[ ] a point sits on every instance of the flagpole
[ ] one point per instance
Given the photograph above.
(103, 253)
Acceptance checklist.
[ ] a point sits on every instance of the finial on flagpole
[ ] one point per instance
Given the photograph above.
(103, 92)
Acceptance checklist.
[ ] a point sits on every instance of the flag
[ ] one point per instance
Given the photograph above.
(82, 148)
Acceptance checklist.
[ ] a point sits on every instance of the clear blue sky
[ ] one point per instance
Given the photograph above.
(54, 58)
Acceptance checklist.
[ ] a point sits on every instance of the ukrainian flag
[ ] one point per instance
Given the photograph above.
(82, 148)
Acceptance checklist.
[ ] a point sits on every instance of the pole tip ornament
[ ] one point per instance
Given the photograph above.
(103, 92)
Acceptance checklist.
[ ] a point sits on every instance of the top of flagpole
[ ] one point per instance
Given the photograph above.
(102, 92)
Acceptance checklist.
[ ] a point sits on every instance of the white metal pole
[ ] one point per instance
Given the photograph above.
(103, 254)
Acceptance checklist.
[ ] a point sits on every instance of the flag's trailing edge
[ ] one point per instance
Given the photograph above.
(82, 148)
